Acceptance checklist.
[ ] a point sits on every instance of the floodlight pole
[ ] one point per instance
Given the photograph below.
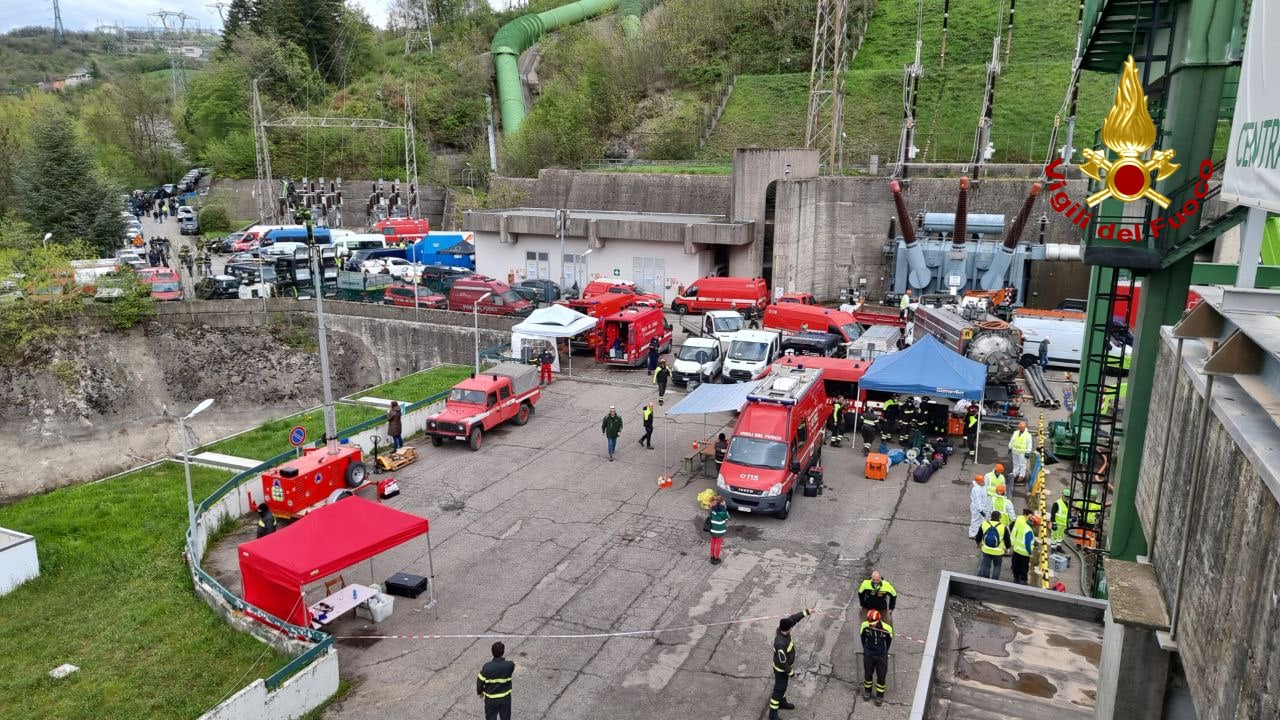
(330, 420)
(475, 316)
(186, 464)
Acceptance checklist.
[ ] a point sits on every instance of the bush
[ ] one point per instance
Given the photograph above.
(135, 306)
(213, 219)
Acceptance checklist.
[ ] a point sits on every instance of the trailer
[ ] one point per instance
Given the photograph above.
(875, 341)
(363, 287)
(974, 334)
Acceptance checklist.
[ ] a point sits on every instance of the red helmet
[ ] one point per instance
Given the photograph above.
(873, 616)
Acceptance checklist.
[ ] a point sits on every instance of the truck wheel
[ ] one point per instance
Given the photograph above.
(356, 474)
(522, 415)
(786, 509)
(475, 438)
(436, 441)
(680, 309)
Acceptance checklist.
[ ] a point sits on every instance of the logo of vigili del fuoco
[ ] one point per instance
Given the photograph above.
(1128, 132)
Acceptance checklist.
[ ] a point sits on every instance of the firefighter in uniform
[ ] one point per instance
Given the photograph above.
(870, 426)
(908, 421)
(494, 684)
(836, 421)
(877, 636)
(971, 432)
(889, 412)
(922, 418)
(876, 593)
(1061, 515)
(784, 657)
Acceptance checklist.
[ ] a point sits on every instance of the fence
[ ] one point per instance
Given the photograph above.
(311, 677)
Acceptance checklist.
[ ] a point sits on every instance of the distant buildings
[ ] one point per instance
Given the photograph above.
(79, 77)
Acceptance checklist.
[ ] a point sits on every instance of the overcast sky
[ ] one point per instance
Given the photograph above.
(88, 14)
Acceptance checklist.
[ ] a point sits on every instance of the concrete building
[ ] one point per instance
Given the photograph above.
(772, 218)
(1203, 613)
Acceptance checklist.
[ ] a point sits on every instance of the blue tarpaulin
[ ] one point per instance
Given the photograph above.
(709, 398)
(927, 368)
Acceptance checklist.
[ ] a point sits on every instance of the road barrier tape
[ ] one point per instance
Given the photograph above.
(590, 636)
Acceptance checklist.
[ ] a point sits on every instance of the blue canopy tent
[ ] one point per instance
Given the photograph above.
(929, 368)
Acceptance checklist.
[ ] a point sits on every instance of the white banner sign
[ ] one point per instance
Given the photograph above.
(1252, 174)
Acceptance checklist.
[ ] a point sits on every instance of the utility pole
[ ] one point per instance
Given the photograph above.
(174, 24)
(411, 154)
(824, 126)
(59, 32)
(262, 155)
(317, 283)
(221, 8)
(910, 93)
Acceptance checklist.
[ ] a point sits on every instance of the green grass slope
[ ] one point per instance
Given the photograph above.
(769, 110)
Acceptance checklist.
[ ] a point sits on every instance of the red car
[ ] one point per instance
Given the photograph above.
(401, 295)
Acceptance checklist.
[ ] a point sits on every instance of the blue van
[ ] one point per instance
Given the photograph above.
(296, 233)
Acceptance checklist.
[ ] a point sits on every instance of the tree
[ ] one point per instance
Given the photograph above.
(60, 188)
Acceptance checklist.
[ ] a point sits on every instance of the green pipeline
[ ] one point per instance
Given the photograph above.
(519, 35)
(629, 14)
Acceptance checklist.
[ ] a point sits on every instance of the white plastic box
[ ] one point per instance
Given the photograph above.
(376, 608)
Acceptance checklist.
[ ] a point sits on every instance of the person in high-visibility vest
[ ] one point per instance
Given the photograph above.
(493, 683)
(869, 430)
(904, 303)
(993, 539)
(971, 431)
(1061, 515)
(889, 411)
(1089, 510)
(1001, 503)
(1020, 449)
(1024, 539)
(995, 480)
(907, 421)
(266, 520)
(877, 636)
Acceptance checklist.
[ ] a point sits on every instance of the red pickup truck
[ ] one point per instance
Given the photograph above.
(479, 404)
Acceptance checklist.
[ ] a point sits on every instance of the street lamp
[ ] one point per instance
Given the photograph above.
(186, 461)
(475, 317)
(586, 271)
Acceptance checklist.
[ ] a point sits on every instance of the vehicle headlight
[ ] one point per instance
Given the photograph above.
(720, 483)
(774, 491)
(432, 424)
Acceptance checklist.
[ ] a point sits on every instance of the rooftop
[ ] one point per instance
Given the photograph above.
(998, 650)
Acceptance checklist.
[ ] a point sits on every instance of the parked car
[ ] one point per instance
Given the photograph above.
(614, 286)
(401, 295)
(189, 226)
(548, 290)
(218, 287)
(186, 211)
(223, 244)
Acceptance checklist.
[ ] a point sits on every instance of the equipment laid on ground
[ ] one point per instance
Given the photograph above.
(406, 585)
(813, 482)
(388, 462)
(973, 333)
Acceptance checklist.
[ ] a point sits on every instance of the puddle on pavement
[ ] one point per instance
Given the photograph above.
(988, 673)
(747, 532)
(359, 642)
(984, 630)
(1086, 649)
(833, 543)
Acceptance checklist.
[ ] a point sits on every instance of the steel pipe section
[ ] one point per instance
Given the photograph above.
(519, 35)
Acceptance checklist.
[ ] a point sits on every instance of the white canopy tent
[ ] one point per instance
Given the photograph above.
(549, 324)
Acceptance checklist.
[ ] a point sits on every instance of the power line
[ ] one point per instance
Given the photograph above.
(59, 33)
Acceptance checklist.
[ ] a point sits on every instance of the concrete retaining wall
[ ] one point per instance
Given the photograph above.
(629, 192)
(294, 698)
(1229, 631)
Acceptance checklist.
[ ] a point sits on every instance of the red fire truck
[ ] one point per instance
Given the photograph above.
(626, 335)
(600, 307)
(778, 436)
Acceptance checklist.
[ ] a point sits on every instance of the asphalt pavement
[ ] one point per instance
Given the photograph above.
(537, 534)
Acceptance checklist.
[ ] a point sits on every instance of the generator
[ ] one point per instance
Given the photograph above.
(975, 334)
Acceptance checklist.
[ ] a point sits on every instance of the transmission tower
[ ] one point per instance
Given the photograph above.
(262, 156)
(221, 8)
(417, 26)
(59, 33)
(824, 126)
(175, 30)
(411, 155)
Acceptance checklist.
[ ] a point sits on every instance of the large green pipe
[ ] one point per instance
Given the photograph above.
(519, 35)
(629, 14)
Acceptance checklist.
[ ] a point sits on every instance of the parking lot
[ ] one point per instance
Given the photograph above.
(538, 534)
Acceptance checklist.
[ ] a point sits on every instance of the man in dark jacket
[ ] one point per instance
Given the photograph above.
(660, 378)
(653, 354)
(494, 684)
(611, 426)
(266, 521)
(393, 426)
(877, 636)
(784, 658)
(876, 593)
(545, 360)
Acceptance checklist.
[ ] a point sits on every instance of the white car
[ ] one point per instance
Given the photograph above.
(186, 211)
(398, 268)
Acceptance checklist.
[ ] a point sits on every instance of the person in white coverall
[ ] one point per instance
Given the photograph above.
(979, 504)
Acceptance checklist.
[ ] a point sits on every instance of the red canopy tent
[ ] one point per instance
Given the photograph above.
(275, 568)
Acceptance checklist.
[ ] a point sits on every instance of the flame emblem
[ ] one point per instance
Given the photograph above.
(1128, 131)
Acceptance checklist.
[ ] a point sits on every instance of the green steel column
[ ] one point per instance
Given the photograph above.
(1204, 31)
(1100, 279)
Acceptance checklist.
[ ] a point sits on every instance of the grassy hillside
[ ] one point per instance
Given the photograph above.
(769, 111)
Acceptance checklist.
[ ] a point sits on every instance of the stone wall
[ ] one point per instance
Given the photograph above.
(1229, 630)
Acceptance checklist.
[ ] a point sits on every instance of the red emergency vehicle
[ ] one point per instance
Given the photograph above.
(747, 295)
(627, 333)
(479, 404)
(398, 231)
(779, 435)
(840, 376)
(493, 297)
(315, 479)
(609, 286)
(600, 307)
(794, 317)
(795, 297)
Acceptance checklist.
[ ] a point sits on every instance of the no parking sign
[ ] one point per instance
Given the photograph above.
(297, 436)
